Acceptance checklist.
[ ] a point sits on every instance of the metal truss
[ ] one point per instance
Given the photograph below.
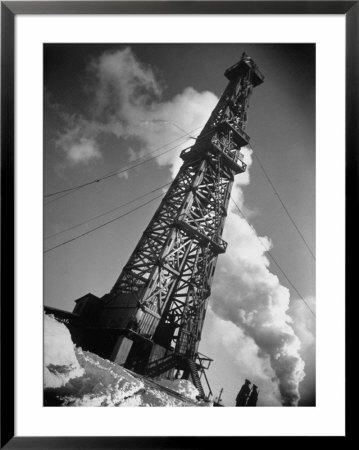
(171, 269)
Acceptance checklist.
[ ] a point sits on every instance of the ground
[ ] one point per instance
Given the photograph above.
(73, 377)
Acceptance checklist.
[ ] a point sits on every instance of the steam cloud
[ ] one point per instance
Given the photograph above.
(247, 294)
(127, 103)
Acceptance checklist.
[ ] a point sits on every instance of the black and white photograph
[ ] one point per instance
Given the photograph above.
(179, 221)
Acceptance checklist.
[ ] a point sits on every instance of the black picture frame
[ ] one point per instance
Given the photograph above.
(9, 10)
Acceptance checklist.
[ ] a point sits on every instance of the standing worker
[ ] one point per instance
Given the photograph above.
(242, 396)
(253, 396)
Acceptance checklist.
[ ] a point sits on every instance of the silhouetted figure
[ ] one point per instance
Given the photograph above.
(242, 396)
(253, 396)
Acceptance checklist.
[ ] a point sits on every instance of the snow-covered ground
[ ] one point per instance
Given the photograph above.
(183, 387)
(60, 362)
(73, 377)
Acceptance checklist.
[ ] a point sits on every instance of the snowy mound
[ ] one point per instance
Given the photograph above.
(103, 384)
(74, 377)
(183, 387)
(60, 362)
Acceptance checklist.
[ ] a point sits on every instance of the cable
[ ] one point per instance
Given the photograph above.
(71, 190)
(273, 259)
(107, 212)
(117, 172)
(111, 174)
(281, 201)
(102, 225)
(57, 198)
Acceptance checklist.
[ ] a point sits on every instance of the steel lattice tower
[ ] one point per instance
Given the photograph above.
(161, 295)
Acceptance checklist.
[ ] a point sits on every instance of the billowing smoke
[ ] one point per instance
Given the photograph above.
(247, 294)
(127, 103)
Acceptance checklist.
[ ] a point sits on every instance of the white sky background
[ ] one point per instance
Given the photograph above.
(77, 261)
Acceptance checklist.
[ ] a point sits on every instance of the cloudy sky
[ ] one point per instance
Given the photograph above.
(107, 106)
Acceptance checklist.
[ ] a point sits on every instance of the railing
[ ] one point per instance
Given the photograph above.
(239, 136)
(200, 359)
(201, 233)
(239, 139)
(203, 358)
(234, 159)
(238, 129)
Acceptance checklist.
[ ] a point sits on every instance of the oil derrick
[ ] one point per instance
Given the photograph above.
(151, 321)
